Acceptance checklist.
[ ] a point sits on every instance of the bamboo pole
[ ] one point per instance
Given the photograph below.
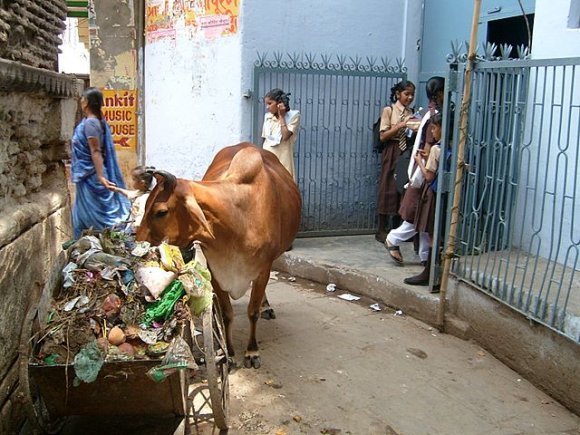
(450, 251)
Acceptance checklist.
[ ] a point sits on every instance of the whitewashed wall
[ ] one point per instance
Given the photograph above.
(192, 101)
(194, 87)
(552, 36)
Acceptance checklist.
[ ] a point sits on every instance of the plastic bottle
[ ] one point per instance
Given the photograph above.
(417, 115)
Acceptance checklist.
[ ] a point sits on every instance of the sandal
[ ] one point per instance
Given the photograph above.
(390, 249)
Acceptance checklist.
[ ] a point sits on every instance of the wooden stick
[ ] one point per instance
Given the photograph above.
(450, 251)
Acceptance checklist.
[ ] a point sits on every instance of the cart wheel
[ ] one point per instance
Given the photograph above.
(216, 360)
(36, 410)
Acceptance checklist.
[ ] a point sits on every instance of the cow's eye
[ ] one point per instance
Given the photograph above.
(161, 213)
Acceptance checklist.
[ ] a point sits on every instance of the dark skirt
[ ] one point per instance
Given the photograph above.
(425, 217)
(409, 203)
(389, 199)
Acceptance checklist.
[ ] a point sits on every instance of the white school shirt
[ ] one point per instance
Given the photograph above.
(272, 134)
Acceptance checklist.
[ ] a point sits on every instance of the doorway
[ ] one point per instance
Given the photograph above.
(514, 31)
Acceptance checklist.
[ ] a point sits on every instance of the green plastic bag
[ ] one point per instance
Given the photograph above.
(163, 308)
(88, 362)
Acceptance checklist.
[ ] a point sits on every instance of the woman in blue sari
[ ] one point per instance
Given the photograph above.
(95, 170)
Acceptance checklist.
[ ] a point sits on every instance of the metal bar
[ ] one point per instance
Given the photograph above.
(450, 252)
(500, 64)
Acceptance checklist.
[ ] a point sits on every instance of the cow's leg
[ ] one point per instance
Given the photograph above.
(227, 314)
(252, 357)
(266, 311)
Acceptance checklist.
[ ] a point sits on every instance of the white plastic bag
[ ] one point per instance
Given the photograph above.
(154, 279)
(417, 178)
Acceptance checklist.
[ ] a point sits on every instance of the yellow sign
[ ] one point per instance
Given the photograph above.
(120, 111)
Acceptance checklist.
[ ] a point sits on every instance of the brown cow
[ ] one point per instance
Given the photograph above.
(245, 211)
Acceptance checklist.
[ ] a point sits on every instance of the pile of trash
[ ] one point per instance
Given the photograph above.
(123, 300)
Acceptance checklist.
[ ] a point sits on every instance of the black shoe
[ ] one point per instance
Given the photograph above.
(421, 279)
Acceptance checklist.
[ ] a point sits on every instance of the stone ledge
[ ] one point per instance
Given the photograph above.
(17, 77)
(15, 220)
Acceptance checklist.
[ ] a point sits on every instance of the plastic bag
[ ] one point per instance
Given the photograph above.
(417, 178)
(67, 272)
(163, 308)
(196, 281)
(171, 258)
(195, 276)
(88, 362)
(178, 357)
(154, 279)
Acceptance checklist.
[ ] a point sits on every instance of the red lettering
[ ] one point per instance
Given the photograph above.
(126, 99)
(123, 130)
(118, 115)
(152, 11)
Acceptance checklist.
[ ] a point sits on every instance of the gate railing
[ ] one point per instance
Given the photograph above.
(339, 99)
(519, 226)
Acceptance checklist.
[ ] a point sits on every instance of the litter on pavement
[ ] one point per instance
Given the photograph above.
(375, 307)
(349, 297)
(331, 287)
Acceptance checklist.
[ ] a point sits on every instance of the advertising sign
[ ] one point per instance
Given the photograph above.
(120, 111)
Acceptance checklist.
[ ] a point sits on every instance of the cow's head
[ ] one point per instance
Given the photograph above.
(172, 213)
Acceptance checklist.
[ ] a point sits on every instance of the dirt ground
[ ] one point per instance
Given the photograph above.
(330, 366)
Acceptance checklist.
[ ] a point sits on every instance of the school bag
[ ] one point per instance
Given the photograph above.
(378, 146)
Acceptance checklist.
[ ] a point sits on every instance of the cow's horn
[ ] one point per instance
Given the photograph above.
(166, 178)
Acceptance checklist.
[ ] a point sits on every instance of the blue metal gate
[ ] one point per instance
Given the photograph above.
(339, 99)
(518, 233)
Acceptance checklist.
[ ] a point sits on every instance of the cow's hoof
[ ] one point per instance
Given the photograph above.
(252, 361)
(268, 314)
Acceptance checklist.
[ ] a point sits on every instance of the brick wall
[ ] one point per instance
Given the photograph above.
(29, 31)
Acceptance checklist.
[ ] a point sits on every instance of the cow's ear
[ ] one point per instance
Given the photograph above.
(197, 214)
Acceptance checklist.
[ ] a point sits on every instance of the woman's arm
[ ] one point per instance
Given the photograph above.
(286, 132)
(97, 158)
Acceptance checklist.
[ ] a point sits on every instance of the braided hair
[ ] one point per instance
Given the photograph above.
(434, 86)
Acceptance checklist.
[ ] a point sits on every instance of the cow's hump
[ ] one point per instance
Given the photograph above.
(246, 164)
